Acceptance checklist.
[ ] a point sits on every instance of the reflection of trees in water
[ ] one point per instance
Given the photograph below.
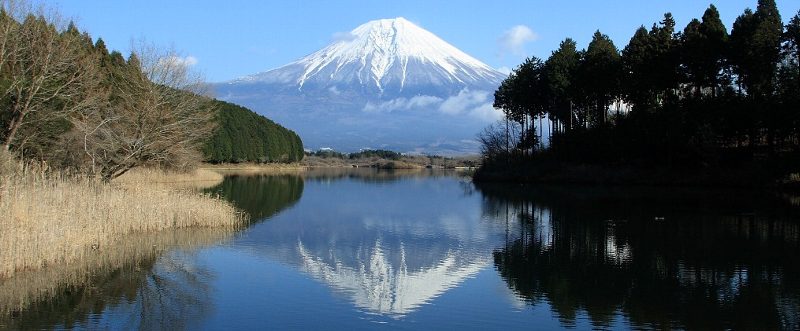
(261, 196)
(170, 297)
(264, 195)
(134, 282)
(661, 259)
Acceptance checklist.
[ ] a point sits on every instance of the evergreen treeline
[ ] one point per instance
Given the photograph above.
(700, 98)
(244, 136)
(379, 153)
(363, 154)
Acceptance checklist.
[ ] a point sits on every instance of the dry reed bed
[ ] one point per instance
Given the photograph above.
(194, 180)
(48, 219)
(29, 288)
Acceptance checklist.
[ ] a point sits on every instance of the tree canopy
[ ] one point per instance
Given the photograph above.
(695, 97)
(244, 136)
(67, 100)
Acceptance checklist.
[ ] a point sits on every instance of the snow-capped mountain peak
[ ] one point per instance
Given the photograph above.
(386, 84)
(390, 55)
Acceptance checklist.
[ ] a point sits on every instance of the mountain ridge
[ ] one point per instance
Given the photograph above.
(378, 54)
(387, 84)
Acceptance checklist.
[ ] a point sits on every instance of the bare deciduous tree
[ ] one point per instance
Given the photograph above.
(156, 115)
(494, 139)
(43, 69)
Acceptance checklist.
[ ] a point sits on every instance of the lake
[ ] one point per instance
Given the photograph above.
(355, 249)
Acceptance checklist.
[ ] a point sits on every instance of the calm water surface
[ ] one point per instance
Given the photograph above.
(362, 249)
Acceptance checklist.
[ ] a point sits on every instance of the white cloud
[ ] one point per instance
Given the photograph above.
(475, 104)
(343, 36)
(463, 102)
(177, 61)
(423, 101)
(334, 90)
(187, 61)
(504, 70)
(386, 106)
(514, 39)
(417, 102)
(487, 113)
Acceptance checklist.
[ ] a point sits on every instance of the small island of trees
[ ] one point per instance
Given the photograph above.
(690, 106)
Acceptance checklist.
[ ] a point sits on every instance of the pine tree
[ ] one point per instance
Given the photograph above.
(638, 87)
(691, 52)
(560, 71)
(664, 58)
(599, 74)
(715, 36)
(767, 44)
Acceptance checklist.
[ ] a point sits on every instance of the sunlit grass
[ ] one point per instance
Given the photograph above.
(50, 218)
(195, 179)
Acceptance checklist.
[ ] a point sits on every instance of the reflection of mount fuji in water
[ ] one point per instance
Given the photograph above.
(385, 266)
(377, 284)
(387, 247)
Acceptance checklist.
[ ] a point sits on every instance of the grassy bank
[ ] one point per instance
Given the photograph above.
(197, 179)
(49, 218)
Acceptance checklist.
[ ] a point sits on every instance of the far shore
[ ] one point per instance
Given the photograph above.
(741, 176)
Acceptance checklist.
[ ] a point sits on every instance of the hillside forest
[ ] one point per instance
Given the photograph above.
(67, 101)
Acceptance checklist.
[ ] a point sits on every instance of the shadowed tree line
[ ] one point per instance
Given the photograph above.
(720, 260)
(67, 100)
(700, 98)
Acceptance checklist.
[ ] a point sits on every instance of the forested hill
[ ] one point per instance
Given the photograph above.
(244, 136)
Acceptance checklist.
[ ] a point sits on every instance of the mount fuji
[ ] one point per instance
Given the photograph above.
(387, 84)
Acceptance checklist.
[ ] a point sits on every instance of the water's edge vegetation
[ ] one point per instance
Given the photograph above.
(98, 161)
(82, 129)
(50, 218)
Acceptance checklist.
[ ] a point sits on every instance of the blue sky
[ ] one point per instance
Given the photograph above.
(232, 38)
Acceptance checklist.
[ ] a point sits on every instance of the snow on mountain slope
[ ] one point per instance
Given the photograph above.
(385, 56)
(386, 84)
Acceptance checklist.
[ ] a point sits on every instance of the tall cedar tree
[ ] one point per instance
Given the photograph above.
(715, 37)
(598, 73)
(560, 71)
(664, 56)
(638, 86)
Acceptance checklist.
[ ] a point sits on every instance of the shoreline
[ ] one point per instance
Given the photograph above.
(754, 177)
(34, 288)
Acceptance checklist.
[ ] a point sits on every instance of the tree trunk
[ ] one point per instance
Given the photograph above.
(13, 127)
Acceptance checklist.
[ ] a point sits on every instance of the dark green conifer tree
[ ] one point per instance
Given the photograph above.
(638, 87)
(560, 71)
(599, 73)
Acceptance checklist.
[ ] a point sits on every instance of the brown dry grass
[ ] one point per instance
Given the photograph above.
(48, 218)
(254, 169)
(28, 288)
(196, 179)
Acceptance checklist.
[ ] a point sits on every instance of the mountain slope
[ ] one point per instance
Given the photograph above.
(385, 57)
(386, 84)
